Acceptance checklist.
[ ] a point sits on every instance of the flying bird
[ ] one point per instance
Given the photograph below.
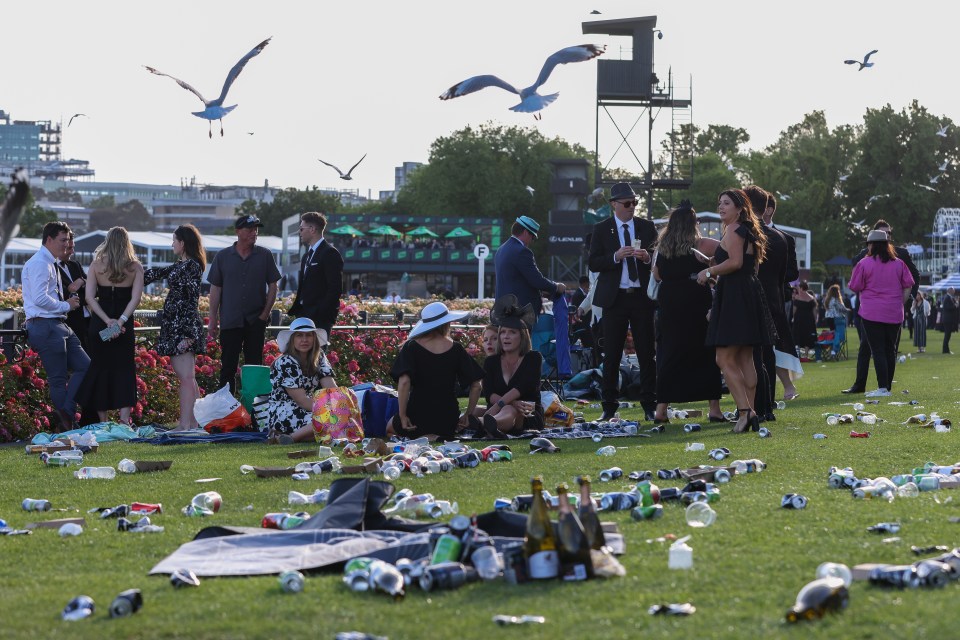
(344, 176)
(877, 197)
(249, 133)
(857, 224)
(844, 178)
(594, 13)
(76, 115)
(935, 178)
(924, 186)
(530, 190)
(783, 196)
(13, 206)
(943, 167)
(214, 109)
(865, 63)
(942, 131)
(530, 100)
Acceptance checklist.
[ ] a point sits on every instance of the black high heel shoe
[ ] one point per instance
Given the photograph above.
(752, 424)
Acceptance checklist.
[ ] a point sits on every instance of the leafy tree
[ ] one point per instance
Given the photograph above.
(62, 194)
(289, 202)
(103, 202)
(131, 215)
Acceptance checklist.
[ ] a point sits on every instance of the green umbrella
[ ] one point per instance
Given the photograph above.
(422, 231)
(459, 232)
(384, 230)
(347, 230)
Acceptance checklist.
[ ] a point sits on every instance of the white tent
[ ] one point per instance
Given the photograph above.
(953, 280)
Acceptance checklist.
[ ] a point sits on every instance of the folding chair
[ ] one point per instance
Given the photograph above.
(255, 388)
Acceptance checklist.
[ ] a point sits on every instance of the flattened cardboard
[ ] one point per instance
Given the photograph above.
(273, 472)
(56, 524)
(144, 466)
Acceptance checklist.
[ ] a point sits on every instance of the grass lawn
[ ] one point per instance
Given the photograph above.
(747, 570)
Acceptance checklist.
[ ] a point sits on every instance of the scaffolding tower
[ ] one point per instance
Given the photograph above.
(945, 243)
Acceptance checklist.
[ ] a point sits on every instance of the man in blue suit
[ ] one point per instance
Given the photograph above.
(516, 269)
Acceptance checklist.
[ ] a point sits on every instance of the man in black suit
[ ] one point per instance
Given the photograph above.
(948, 317)
(320, 282)
(73, 279)
(779, 268)
(863, 355)
(516, 269)
(621, 291)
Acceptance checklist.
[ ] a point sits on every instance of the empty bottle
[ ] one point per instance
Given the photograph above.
(611, 474)
(748, 466)
(619, 501)
(835, 570)
(608, 450)
(819, 597)
(386, 578)
(588, 516)
(833, 419)
(681, 554)
(695, 446)
(317, 497)
(33, 504)
(87, 473)
(866, 418)
(540, 547)
(127, 466)
(574, 548)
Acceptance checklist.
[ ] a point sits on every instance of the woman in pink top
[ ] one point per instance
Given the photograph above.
(883, 283)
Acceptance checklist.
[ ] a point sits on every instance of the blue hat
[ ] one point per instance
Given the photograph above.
(529, 224)
(622, 190)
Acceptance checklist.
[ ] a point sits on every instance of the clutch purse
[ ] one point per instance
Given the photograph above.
(109, 333)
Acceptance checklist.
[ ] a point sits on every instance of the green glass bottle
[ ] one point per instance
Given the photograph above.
(539, 543)
(588, 516)
(574, 548)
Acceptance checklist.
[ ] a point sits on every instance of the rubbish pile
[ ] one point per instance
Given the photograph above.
(930, 477)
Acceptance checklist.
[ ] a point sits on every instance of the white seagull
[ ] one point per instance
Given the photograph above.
(871, 199)
(783, 196)
(935, 178)
(942, 131)
(530, 100)
(943, 167)
(924, 186)
(530, 190)
(865, 62)
(76, 115)
(344, 176)
(214, 109)
(844, 178)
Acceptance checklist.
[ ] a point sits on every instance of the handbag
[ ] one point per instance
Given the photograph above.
(653, 286)
(336, 415)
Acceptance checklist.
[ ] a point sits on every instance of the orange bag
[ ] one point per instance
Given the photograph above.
(238, 419)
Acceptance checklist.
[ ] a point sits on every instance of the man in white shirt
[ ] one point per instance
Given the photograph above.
(46, 304)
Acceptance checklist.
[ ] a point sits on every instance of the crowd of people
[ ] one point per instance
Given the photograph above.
(702, 314)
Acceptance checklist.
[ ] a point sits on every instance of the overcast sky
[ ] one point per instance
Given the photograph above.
(342, 79)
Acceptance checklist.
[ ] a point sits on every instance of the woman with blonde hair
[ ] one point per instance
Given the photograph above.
(113, 293)
(739, 318)
(836, 310)
(182, 334)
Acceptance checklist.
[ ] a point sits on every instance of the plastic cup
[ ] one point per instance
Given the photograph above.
(487, 562)
(700, 514)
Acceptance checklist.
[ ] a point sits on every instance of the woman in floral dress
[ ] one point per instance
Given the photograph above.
(182, 334)
(300, 370)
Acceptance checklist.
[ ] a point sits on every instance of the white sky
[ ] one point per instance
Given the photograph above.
(341, 79)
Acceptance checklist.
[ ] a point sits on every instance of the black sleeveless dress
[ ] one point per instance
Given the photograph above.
(739, 315)
(111, 380)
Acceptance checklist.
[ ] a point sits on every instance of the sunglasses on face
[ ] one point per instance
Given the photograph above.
(628, 203)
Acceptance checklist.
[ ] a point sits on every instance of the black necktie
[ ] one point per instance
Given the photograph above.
(60, 283)
(631, 262)
(306, 261)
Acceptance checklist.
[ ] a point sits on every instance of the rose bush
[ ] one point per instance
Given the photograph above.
(357, 355)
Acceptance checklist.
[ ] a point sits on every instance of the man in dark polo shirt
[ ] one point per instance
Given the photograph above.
(243, 287)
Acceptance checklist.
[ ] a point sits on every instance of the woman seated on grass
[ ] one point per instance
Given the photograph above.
(296, 375)
(511, 381)
(429, 370)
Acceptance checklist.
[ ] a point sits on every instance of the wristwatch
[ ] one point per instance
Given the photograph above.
(709, 275)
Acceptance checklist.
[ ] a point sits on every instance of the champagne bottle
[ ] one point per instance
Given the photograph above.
(574, 549)
(539, 544)
(588, 516)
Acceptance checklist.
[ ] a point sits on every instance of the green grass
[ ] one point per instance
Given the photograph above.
(747, 570)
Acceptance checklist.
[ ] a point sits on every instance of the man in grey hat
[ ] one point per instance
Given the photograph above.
(517, 270)
(619, 254)
(243, 287)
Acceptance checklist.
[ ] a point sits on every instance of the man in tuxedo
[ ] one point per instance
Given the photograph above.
(321, 275)
(864, 354)
(517, 270)
(948, 317)
(73, 279)
(621, 291)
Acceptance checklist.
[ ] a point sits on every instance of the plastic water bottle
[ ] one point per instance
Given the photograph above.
(857, 406)
(908, 490)
(391, 470)
(695, 446)
(317, 497)
(833, 419)
(867, 418)
(87, 473)
(835, 570)
(608, 450)
(681, 554)
(127, 466)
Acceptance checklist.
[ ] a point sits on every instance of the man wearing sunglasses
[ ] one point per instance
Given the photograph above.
(619, 254)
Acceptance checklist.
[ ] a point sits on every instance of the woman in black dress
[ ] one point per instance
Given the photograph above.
(739, 318)
(429, 370)
(511, 380)
(182, 334)
(113, 293)
(804, 317)
(686, 367)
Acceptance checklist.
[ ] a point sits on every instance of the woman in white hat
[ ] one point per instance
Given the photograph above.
(296, 375)
(429, 370)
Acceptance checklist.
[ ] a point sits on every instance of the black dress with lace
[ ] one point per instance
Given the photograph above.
(739, 315)
(111, 379)
(181, 328)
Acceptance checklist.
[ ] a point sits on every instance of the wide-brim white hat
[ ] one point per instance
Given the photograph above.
(300, 325)
(434, 315)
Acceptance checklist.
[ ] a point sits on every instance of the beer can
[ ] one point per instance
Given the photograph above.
(467, 460)
(126, 603)
(502, 503)
(618, 501)
(764, 432)
(885, 527)
(651, 512)
(515, 564)
(145, 508)
(291, 581)
(184, 578)
(447, 575)
(721, 476)
(78, 608)
(31, 504)
(597, 437)
(611, 474)
(793, 501)
(447, 549)
(689, 428)
(639, 476)
(903, 576)
(273, 521)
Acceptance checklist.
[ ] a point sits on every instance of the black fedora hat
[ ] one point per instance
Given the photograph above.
(622, 191)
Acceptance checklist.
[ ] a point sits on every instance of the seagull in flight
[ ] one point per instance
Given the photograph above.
(783, 196)
(344, 176)
(76, 115)
(943, 167)
(530, 100)
(935, 178)
(877, 197)
(942, 131)
(530, 190)
(214, 109)
(924, 186)
(844, 178)
(866, 61)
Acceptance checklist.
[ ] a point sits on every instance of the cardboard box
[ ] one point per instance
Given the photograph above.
(56, 524)
(144, 466)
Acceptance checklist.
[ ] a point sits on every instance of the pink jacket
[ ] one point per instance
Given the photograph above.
(880, 286)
